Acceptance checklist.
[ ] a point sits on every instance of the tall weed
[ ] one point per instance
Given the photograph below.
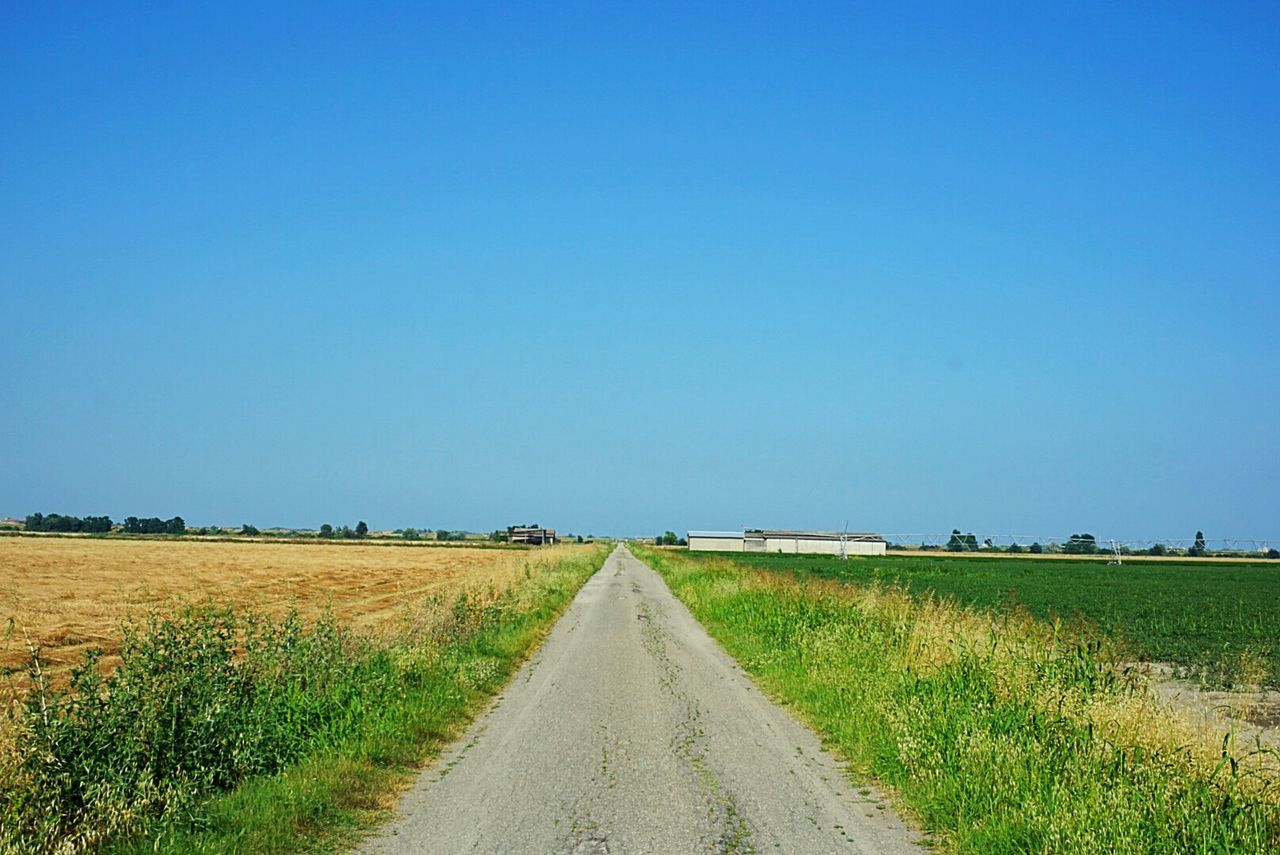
(199, 702)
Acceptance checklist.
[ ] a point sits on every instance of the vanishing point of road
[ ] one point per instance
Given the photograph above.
(631, 731)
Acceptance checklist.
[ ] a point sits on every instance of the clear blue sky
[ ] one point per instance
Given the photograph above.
(627, 268)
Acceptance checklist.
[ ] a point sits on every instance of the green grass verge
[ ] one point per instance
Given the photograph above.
(1218, 622)
(226, 732)
(998, 732)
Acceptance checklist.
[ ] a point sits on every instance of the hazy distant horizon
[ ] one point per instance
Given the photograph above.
(906, 536)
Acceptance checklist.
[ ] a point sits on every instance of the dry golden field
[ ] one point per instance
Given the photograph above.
(68, 594)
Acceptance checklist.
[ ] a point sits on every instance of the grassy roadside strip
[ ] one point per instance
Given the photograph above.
(1000, 733)
(235, 732)
(1216, 622)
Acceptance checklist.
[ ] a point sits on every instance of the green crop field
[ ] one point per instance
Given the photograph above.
(1219, 622)
(998, 731)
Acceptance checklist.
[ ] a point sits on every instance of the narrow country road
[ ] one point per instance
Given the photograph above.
(632, 732)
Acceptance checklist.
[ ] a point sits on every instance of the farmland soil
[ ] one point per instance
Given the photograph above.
(631, 731)
(1252, 717)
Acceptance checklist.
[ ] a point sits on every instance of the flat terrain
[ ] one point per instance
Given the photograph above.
(69, 594)
(631, 731)
(1001, 732)
(1216, 620)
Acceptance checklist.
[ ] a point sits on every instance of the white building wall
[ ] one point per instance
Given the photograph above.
(785, 545)
(797, 546)
(714, 544)
(867, 547)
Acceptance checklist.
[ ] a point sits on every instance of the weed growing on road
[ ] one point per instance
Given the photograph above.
(1000, 731)
(306, 722)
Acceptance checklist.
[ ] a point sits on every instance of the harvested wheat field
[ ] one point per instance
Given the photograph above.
(69, 594)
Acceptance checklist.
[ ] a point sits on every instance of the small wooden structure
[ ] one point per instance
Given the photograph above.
(534, 535)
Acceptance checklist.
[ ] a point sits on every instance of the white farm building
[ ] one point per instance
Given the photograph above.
(789, 542)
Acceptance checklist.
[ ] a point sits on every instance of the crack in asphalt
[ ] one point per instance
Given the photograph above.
(733, 833)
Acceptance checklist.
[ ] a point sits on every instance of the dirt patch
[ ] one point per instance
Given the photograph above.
(1253, 717)
(1265, 714)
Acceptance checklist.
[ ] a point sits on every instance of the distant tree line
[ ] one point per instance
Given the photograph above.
(61, 522)
(154, 525)
(1077, 544)
(345, 533)
(1198, 547)
(1080, 544)
(669, 538)
(103, 525)
(445, 534)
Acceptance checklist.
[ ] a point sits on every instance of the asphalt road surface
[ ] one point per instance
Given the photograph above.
(631, 731)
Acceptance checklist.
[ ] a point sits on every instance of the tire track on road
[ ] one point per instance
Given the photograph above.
(632, 732)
